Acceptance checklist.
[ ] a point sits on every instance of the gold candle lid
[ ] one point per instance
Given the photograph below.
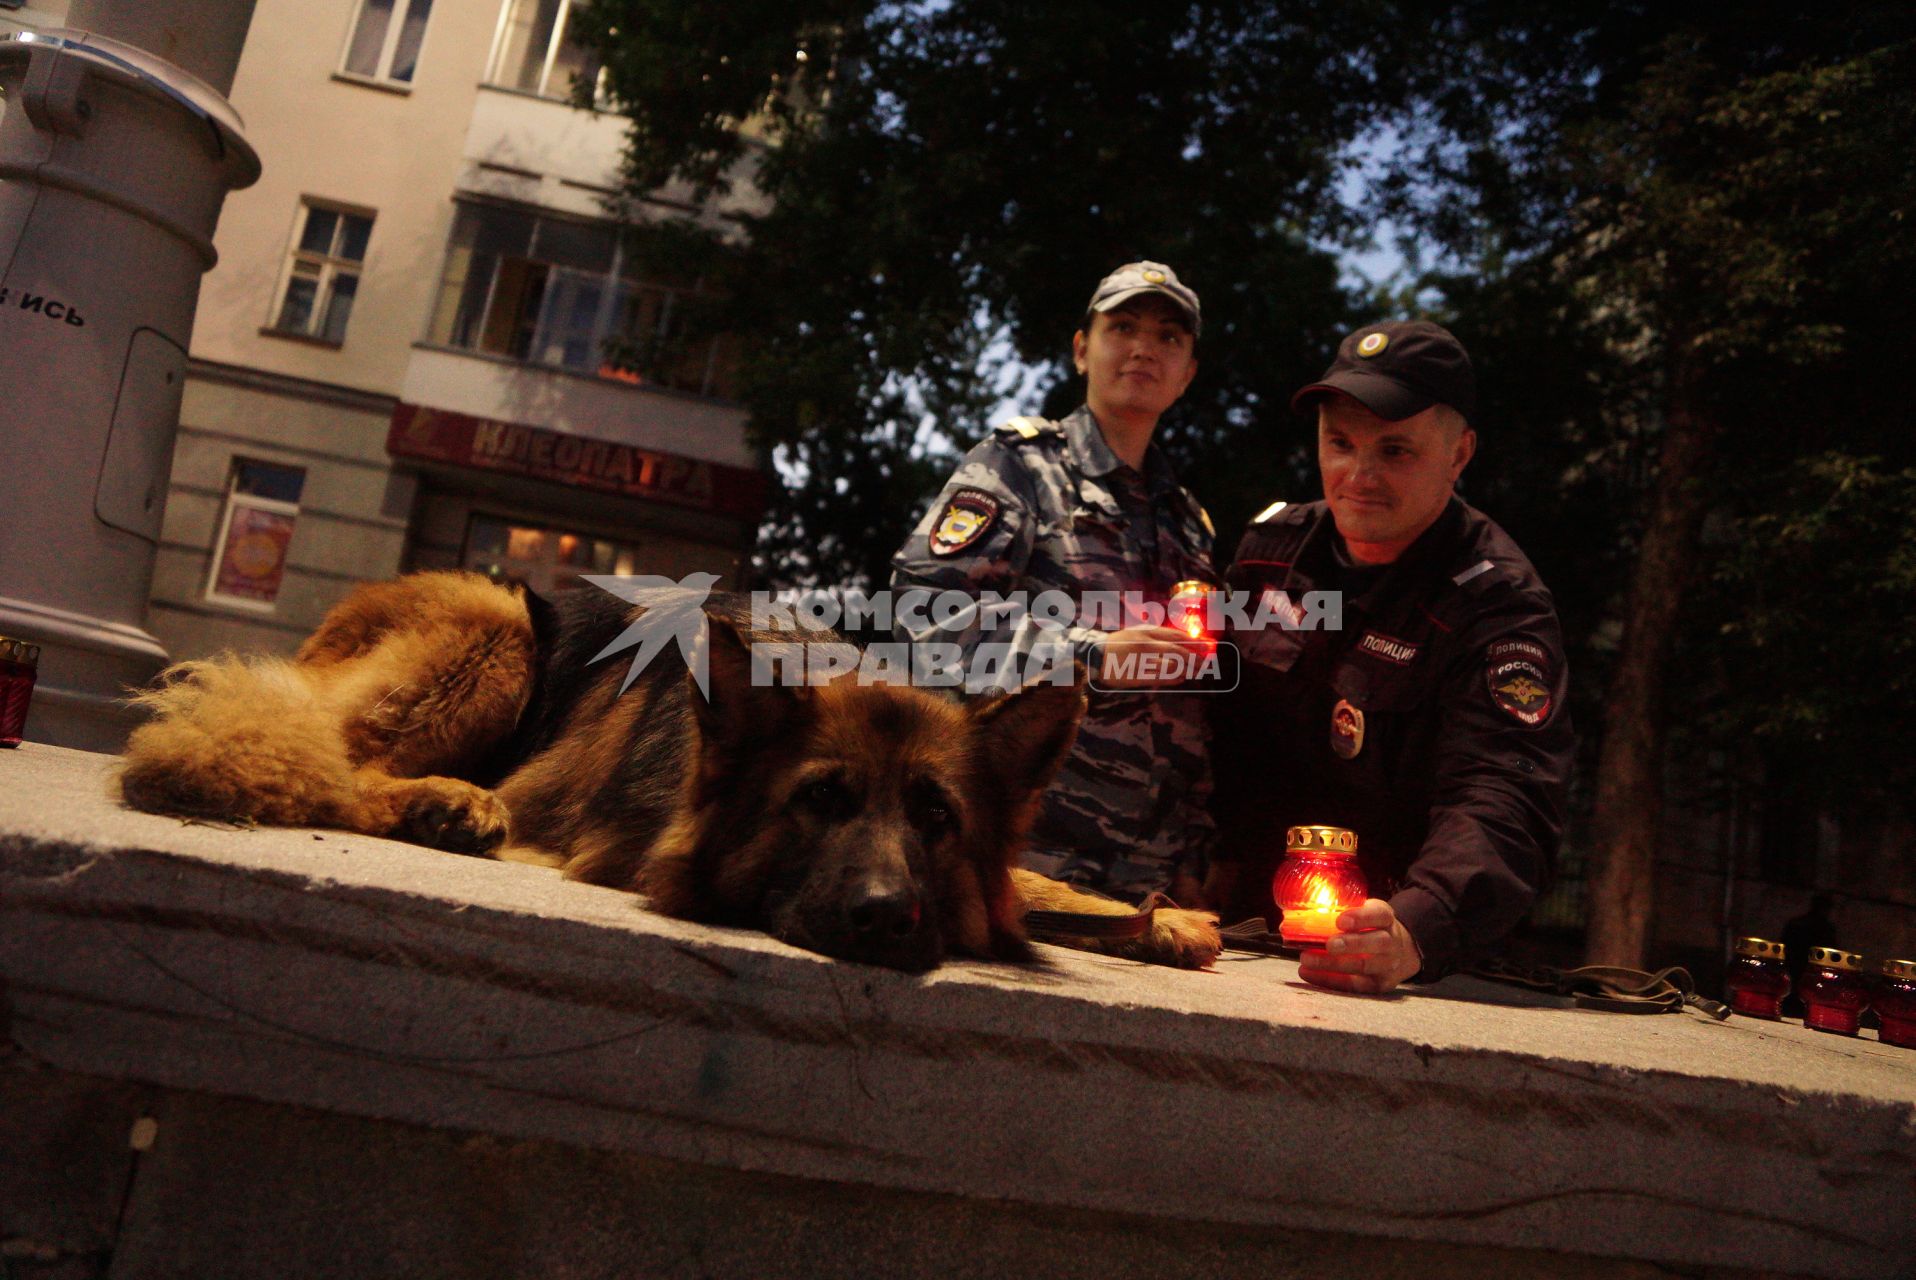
(1831, 958)
(1761, 948)
(1899, 969)
(1191, 586)
(1334, 840)
(12, 650)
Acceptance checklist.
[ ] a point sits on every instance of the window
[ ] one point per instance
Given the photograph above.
(256, 527)
(535, 51)
(557, 292)
(545, 560)
(323, 275)
(386, 39)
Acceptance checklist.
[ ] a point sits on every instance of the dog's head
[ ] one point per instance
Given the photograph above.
(867, 821)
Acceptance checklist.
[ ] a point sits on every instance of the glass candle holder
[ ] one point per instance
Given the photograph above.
(1895, 1003)
(19, 666)
(1832, 991)
(1318, 881)
(1758, 979)
(1190, 601)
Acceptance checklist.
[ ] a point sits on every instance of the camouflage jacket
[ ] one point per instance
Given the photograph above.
(1047, 506)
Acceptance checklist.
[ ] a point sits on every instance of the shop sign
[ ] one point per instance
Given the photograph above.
(439, 435)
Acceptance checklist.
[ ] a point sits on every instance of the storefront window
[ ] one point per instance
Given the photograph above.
(545, 560)
(553, 291)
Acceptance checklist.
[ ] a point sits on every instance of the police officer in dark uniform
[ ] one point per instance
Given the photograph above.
(1432, 721)
(1074, 508)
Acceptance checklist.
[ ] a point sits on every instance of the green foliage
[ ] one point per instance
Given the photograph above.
(1723, 238)
(949, 182)
(1816, 658)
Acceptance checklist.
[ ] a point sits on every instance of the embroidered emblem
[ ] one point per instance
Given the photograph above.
(1154, 277)
(1519, 678)
(964, 520)
(1389, 648)
(1347, 730)
(1373, 343)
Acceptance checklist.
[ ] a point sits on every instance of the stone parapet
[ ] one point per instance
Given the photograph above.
(379, 982)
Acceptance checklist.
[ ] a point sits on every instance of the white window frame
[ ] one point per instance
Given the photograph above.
(330, 266)
(496, 74)
(235, 502)
(381, 74)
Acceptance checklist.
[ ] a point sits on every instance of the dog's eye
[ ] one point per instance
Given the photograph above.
(931, 810)
(827, 798)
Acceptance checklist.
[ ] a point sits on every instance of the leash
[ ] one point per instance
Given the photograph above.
(1604, 987)
(1608, 987)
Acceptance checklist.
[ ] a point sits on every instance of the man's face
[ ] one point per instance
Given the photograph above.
(1137, 358)
(1386, 482)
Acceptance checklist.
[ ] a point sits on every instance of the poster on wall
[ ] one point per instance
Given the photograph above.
(251, 560)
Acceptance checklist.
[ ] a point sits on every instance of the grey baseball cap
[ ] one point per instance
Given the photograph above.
(1134, 278)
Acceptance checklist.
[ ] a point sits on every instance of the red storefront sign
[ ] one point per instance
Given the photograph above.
(439, 435)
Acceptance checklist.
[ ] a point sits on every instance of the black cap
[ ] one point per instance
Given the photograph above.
(1398, 369)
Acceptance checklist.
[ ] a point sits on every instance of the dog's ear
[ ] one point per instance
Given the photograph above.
(738, 712)
(1024, 736)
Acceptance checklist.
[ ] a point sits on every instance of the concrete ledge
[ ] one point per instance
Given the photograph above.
(374, 980)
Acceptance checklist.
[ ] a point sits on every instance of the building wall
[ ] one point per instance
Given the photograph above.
(404, 155)
(322, 135)
(353, 517)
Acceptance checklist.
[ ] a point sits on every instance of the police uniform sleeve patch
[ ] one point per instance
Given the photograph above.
(1519, 676)
(967, 514)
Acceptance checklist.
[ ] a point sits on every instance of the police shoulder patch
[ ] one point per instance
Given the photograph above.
(966, 516)
(1519, 676)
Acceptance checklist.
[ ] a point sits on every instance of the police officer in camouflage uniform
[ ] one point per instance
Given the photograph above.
(1083, 505)
(1433, 721)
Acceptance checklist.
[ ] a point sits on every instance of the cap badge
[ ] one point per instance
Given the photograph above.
(1373, 343)
(1154, 277)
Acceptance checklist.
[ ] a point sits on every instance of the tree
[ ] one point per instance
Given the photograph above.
(946, 182)
(1716, 203)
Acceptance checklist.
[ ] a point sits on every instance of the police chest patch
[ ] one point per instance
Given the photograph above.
(1519, 678)
(1389, 648)
(964, 520)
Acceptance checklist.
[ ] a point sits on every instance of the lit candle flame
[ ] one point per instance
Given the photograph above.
(1193, 626)
(1323, 896)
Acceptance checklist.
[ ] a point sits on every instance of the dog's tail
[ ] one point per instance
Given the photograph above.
(238, 739)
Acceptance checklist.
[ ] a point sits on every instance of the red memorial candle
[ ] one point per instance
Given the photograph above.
(19, 665)
(1757, 980)
(1832, 991)
(1317, 882)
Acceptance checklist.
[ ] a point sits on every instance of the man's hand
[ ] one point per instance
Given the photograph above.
(1372, 952)
(1122, 648)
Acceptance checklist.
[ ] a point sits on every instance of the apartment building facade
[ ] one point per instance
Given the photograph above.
(401, 358)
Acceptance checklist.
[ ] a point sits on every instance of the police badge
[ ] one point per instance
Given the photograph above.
(964, 520)
(1347, 730)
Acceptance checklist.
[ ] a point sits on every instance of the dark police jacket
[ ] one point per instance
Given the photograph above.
(1433, 723)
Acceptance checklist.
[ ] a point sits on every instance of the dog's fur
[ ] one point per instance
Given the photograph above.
(873, 822)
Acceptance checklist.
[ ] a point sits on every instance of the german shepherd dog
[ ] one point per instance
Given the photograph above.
(872, 822)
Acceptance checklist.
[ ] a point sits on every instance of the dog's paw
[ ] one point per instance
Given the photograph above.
(1186, 939)
(443, 813)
